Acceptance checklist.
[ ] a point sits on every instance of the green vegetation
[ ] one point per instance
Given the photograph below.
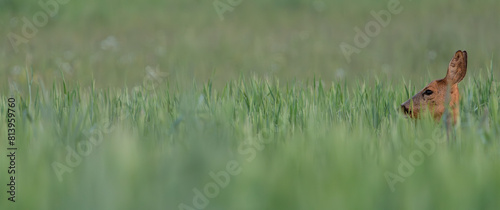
(322, 148)
(266, 95)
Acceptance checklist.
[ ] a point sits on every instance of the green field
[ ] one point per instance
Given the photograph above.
(163, 105)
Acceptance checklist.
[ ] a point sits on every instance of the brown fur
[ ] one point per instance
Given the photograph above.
(442, 90)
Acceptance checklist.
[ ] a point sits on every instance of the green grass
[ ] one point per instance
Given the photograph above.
(315, 147)
(267, 88)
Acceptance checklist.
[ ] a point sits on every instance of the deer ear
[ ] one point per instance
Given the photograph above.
(457, 68)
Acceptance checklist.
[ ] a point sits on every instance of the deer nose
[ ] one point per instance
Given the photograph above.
(405, 109)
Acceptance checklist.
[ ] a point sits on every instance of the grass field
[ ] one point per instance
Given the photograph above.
(163, 105)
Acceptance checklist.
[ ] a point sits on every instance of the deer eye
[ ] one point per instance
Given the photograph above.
(428, 92)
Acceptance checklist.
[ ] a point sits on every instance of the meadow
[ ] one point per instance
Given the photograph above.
(163, 105)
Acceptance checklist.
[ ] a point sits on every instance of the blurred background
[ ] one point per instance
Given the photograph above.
(113, 41)
(327, 148)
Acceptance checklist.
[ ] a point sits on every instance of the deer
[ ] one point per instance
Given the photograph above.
(435, 95)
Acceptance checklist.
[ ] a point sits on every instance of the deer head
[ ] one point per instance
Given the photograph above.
(437, 93)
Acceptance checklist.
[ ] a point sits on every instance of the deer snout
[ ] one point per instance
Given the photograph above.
(405, 108)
